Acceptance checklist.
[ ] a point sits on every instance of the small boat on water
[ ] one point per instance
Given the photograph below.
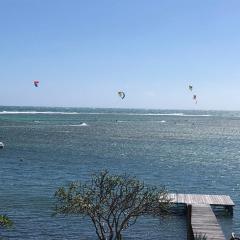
(1, 145)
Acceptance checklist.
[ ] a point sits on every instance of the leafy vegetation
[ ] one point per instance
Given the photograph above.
(5, 221)
(112, 202)
(200, 236)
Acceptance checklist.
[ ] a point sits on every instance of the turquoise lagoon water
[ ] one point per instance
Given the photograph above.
(187, 151)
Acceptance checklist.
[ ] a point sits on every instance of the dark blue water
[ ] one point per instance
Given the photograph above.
(187, 151)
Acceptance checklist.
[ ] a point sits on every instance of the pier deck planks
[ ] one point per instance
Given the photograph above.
(201, 217)
(219, 200)
(204, 221)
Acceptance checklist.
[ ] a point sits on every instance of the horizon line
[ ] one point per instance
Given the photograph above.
(122, 108)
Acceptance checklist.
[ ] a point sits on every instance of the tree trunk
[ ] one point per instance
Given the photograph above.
(118, 236)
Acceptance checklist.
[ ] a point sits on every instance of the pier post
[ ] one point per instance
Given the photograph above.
(229, 209)
(189, 224)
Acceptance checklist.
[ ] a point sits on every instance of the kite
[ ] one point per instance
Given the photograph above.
(121, 95)
(36, 82)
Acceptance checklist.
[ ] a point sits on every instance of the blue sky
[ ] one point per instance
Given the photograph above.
(84, 51)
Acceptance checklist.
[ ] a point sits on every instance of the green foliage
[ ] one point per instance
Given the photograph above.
(200, 236)
(113, 202)
(5, 221)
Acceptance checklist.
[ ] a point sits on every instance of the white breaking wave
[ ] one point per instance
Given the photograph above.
(168, 114)
(197, 115)
(79, 125)
(35, 112)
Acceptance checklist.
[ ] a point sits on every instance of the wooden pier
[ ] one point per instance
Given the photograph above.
(200, 216)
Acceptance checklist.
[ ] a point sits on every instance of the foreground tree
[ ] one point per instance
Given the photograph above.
(5, 221)
(113, 202)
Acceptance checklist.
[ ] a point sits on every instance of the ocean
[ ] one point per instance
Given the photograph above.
(45, 148)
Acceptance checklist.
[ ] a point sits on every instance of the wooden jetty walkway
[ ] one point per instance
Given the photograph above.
(200, 216)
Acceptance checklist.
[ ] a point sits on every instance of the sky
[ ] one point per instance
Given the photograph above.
(84, 51)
